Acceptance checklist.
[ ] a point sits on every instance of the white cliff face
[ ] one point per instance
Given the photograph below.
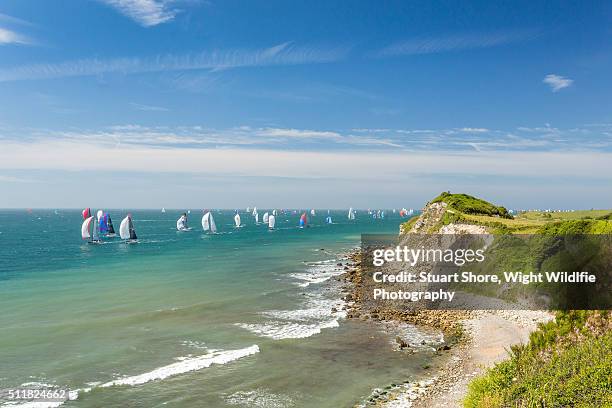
(432, 216)
(463, 229)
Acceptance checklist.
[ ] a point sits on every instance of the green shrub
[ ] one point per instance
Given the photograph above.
(471, 205)
(567, 363)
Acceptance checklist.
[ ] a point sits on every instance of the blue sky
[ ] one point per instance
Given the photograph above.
(194, 103)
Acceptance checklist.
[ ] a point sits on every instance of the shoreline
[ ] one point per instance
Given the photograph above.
(474, 340)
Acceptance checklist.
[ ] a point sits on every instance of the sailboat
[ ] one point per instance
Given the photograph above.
(90, 230)
(105, 225)
(256, 218)
(181, 223)
(127, 231)
(254, 211)
(312, 212)
(163, 210)
(271, 221)
(274, 212)
(208, 223)
(266, 217)
(303, 220)
(351, 214)
(109, 225)
(86, 213)
(328, 220)
(237, 220)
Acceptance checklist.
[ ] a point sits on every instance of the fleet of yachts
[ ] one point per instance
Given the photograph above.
(97, 226)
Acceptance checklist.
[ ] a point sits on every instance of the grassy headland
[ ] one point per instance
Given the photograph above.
(567, 361)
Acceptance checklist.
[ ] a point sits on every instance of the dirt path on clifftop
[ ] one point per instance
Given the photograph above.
(492, 334)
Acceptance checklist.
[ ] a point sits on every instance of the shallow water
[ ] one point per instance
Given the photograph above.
(240, 318)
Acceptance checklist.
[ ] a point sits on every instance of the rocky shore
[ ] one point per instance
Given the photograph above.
(473, 340)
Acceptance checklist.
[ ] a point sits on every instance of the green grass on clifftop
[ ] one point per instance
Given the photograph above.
(566, 364)
(468, 204)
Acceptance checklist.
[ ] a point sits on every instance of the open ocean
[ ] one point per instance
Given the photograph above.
(242, 318)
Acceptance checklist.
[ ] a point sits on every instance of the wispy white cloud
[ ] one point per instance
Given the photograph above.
(13, 20)
(148, 108)
(11, 37)
(544, 138)
(282, 54)
(557, 82)
(298, 133)
(473, 130)
(457, 42)
(147, 13)
(354, 165)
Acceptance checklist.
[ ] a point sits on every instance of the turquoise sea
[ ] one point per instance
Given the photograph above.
(242, 318)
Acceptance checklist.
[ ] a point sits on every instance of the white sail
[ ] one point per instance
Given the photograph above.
(266, 217)
(237, 220)
(163, 210)
(271, 221)
(254, 211)
(351, 214)
(124, 228)
(95, 231)
(85, 228)
(312, 212)
(274, 212)
(99, 214)
(256, 218)
(208, 223)
(181, 223)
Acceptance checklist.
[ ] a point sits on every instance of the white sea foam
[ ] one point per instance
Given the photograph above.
(318, 311)
(185, 365)
(317, 272)
(259, 398)
(288, 330)
(315, 308)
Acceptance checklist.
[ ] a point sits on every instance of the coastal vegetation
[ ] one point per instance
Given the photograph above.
(471, 205)
(468, 210)
(567, 363)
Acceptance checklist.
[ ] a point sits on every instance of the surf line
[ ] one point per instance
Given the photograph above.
(413, 296)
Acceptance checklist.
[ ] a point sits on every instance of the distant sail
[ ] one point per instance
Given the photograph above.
(99, 215)
(312, 212)
(266, 218)
(237, 220)
(274, 212)
(254, 211)
(86, 213)
(181, 223)
(328, 220)
(271, 221)
(109, 224)
(163, 210)
(95, 230)
(103, 223)
(256, 218)
(124, 228)
(132, 230)
(85, 227)
(303, 220)
(351, 214)
(208, 223)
